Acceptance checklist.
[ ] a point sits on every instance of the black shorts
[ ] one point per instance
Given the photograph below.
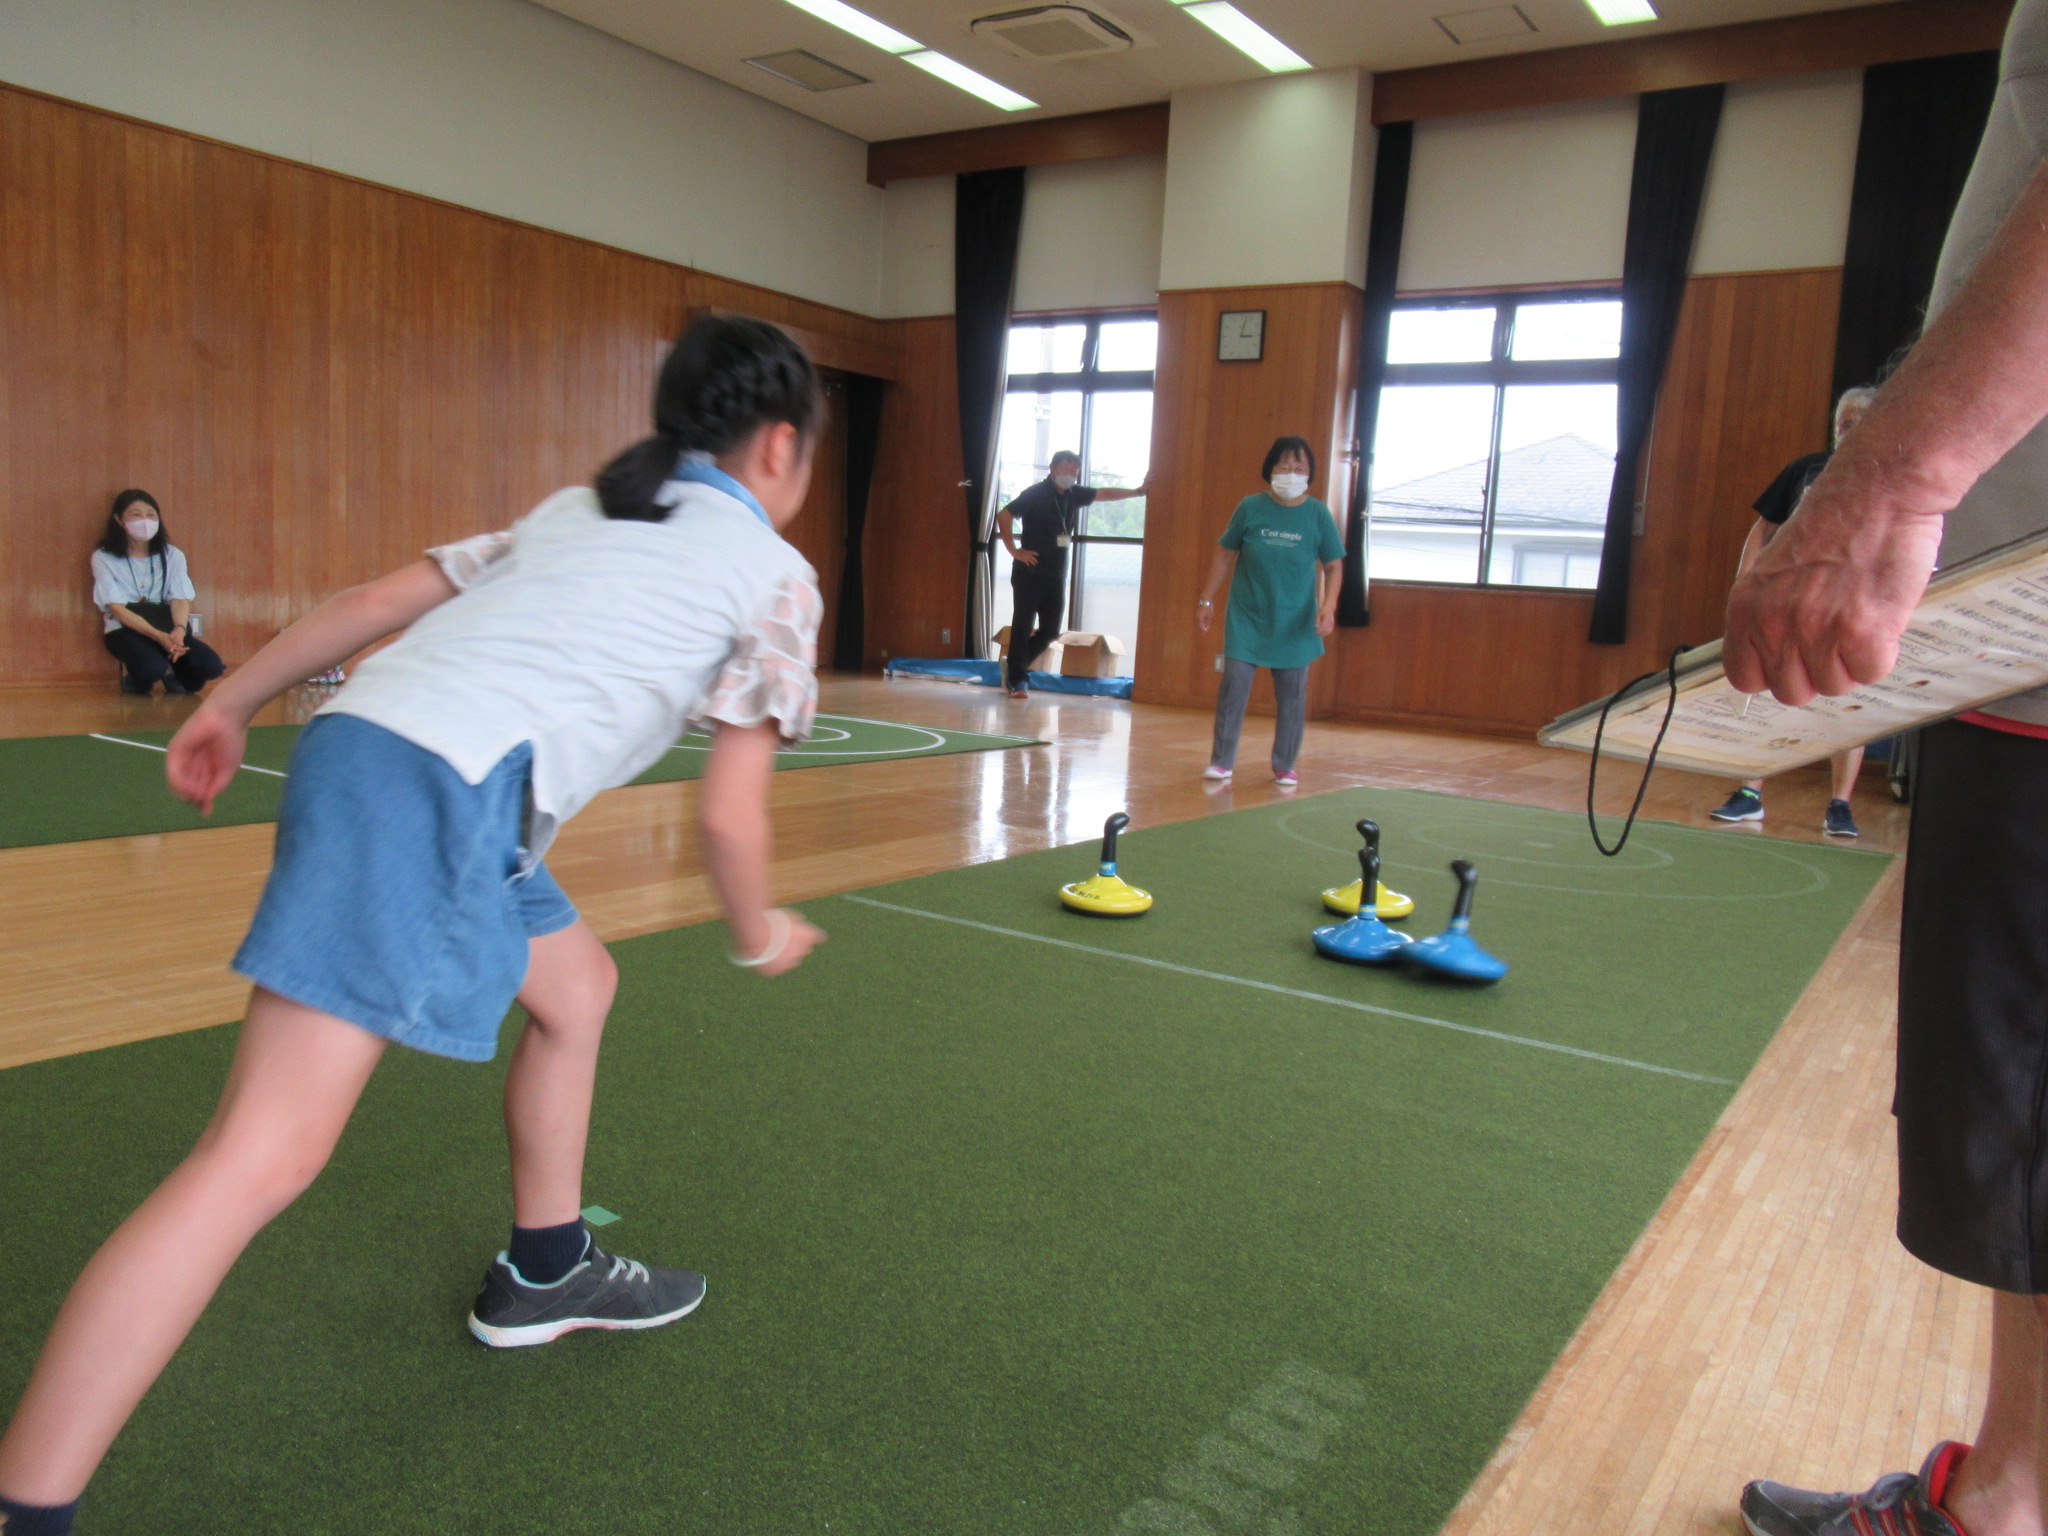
(1973, 1010)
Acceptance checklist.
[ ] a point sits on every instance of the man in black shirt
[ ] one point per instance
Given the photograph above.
(1050, 512)
(1778, 502)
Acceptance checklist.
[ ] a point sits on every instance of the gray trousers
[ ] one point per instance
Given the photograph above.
(1290, 694)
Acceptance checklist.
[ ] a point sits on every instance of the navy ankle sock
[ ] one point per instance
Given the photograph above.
(36, 1519)
(542, 1255)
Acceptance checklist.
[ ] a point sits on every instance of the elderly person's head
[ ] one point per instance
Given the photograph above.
(1850, 409)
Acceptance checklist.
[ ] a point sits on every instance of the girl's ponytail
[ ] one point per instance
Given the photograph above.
(723, 379)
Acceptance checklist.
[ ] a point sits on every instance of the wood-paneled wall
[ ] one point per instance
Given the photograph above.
(1212, 423)
(317, 377)
(1747, 390)
(917, 524)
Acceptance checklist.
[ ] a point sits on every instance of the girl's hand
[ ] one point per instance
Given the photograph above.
(1205, 615)
(797, 938)
(205, 755)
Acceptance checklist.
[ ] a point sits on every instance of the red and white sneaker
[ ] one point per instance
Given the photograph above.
(1897, 1504)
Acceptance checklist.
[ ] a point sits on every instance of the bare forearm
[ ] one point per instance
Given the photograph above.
(1329, 581)
(1972, 387)
(132, 620)
(181, 613)
(734, 832)
(331, 633)
(1219, 572)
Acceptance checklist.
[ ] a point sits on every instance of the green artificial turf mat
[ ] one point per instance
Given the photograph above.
(1004, 1237)
(66, 789)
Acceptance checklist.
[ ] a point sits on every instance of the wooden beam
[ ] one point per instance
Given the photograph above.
(842, 353)
(1752, 50)
(1046, 141)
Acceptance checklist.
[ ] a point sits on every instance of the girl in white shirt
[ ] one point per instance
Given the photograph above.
(144, 591)
(409, 901)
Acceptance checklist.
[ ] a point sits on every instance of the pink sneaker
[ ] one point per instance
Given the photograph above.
(1286, 779)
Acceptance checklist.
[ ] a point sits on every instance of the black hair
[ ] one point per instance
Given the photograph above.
(1064, 453)
(1282, 446)
(114, 538)
(725, 377)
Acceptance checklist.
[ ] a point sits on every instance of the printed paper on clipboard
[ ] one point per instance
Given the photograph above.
(1980, 634)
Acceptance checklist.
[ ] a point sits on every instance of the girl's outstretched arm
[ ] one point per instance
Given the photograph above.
(206, 753)
(732, 822)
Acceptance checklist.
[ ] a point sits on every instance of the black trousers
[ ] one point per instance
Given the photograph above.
(147, 663)
(1038, 614)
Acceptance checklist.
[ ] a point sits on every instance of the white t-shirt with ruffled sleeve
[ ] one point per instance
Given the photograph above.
(601, 642)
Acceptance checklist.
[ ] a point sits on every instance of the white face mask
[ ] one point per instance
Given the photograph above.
(1066, 482)
(1289, 486)
(142, 528)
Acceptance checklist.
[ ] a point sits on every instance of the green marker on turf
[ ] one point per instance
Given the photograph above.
(598, 1216)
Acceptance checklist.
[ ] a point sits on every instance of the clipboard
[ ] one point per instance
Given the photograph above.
(1979, 634)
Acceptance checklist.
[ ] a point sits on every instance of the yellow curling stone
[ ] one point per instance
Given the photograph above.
(1390, 907)
(1108, 896)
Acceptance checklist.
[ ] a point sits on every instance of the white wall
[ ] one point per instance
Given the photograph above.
(498, 105)
(1541, 195)
(1091, 234)
(1784, 165)
(917, 247)
(1266, 182)
(1535, 195)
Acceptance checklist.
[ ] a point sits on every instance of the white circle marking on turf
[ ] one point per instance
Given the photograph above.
(936, 739)
(1817, 878)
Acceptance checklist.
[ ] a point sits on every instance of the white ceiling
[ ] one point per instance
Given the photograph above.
(1174, 51)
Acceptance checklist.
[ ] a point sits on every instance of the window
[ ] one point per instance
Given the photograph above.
(1495, 449)
(1083, 384)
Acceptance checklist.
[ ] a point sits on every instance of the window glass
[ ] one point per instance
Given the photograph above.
(1548, 331)
(1429, 478)
(1461, 335)
(1119, 451)
(1034, 428)
(1128, 346)
(1106, 592)
(1046, 348)
(1556, 468)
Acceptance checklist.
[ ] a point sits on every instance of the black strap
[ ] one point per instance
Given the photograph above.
(1593, 768)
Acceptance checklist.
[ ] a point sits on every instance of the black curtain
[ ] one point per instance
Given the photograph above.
(1382, 273)
(1921, 124)
(863, 439)
(1674, 141)
(988, 212)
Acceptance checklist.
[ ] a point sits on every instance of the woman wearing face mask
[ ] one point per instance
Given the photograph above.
(141, 585)
(1282, 557)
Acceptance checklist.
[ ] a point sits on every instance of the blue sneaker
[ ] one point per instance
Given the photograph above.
(1840, 821)
(1905, 1503)
(1743, 805)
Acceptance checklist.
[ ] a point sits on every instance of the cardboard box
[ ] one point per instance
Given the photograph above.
(1050, 661)
(1089, 655)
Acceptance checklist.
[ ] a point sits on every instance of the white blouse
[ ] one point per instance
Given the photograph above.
(126, 579)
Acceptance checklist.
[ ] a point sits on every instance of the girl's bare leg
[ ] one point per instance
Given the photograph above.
(296, 1077)
(1847, 765)
(570, 981)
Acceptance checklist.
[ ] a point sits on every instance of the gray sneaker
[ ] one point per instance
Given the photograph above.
(602, 1291)
(1904, 1502)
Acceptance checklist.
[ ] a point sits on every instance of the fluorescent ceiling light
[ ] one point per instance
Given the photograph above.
(1619, 13)
(860, 24)
(1253, 40)
(953, 72)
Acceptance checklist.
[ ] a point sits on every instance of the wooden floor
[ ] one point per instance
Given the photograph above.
(1765, 1324)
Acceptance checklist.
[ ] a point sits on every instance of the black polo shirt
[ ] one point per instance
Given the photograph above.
(1782, 498)
(1049, 514)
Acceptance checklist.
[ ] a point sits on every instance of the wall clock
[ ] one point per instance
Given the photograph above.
(1241, 336)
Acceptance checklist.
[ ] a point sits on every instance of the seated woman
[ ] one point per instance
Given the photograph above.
(139, 581)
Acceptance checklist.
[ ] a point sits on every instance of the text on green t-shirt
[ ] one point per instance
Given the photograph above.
(1272, 616)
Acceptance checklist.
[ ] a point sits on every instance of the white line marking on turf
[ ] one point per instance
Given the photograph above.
(1312, 997)
(123, 741)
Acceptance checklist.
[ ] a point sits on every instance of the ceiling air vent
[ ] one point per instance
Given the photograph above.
(1052, 32)
(806, 69)
(1486, 26)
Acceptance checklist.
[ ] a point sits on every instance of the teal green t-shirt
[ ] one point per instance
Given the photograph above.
(1272, 616)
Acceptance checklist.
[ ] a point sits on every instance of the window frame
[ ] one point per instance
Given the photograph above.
(1500, 372)
(1088, 381)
